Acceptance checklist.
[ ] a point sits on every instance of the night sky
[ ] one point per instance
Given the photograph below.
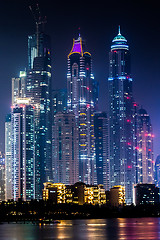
(98, 21)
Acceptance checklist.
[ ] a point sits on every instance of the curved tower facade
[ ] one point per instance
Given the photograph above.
(122, 162)
(81, 93)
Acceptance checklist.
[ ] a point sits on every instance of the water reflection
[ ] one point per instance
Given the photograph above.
(110, 229)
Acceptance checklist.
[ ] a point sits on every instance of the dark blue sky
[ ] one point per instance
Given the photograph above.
(99, 22)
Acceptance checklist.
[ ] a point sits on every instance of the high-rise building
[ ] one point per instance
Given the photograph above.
(19, 87)
(122, 159)
(81, 93)
(2, 176)
(157, 171)
(65, 143)
(8, 159)
(102, 149)
(145, 148)
(39, 91)
(23, 158)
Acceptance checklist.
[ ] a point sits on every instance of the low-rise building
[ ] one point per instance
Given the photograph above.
(54, 192)
(116, 196)
(79, 193)
(145, 194)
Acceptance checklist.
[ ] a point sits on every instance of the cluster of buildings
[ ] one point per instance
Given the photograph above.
(60, 137)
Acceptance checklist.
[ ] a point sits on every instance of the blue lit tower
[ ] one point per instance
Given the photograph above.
(122, 163)
(38, 89)
(81, 92)
(22, 153)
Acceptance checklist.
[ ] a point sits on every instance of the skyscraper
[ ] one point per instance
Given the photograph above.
(23, 158)
(8, 159)
(102, 149)
(65, 142)
(39, 91)
(122, 161)
(157, 171)
(145, 148)
(2, 177)
(81, 95)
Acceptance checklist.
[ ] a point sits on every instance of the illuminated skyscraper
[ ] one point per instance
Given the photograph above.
(122, 159)
(8, 159)
(2, 177)
(81, 93)
(23, 158)
(65, 142)
(145, 148)
(102, 149)
(39, 91)
(157, 171)
(38, 88)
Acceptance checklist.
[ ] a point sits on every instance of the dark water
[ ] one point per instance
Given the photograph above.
(121, 228)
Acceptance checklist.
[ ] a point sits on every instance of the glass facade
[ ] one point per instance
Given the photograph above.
(23, 157)
(80, 100)
(122, 158)
(102, 149)
(39, 91)
(8, 159)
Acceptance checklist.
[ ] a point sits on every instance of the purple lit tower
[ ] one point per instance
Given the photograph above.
(82, 97)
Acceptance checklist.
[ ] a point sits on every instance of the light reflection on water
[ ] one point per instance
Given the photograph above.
(110, 229)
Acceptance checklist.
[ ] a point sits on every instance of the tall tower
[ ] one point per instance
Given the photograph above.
(8, 159)
(102, 149)
(145, 148)
(122, 163)
(23, 158)
(38, 89)
(81, 95)
(157, 171)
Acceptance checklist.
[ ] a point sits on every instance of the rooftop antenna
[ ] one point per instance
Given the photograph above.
(79, 32)
(39, 22)
(119, 30)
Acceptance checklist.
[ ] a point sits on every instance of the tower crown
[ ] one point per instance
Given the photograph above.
(78, 47)
(119, 42)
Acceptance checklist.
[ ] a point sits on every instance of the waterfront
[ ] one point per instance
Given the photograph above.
(110, 229)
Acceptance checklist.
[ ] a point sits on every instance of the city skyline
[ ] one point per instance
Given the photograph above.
(79, 119)
(140, 37)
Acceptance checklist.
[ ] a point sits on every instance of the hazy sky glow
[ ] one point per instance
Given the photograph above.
(99, 25)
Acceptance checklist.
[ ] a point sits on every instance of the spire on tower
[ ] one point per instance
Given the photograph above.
(79, 32)
(119, 30)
